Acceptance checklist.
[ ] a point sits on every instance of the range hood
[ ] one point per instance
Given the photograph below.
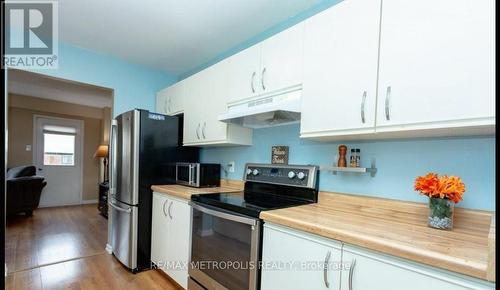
(272, 110)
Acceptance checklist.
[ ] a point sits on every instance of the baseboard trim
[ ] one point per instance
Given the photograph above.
(57, 205)
(89, 201)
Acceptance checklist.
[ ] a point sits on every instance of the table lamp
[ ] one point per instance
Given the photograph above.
(102, 152)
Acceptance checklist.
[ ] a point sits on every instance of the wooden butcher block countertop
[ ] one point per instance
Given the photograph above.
(399, 228)
(186, 191)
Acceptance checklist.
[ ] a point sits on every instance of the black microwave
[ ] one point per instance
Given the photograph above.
(197, 174)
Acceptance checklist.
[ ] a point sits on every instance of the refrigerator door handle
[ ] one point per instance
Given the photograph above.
(126, 210)
(112, 158)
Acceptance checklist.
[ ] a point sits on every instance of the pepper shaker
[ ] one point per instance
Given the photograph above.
(342, 162)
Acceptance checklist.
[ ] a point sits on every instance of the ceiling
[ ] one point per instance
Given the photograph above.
(175, 36)
(40, 86)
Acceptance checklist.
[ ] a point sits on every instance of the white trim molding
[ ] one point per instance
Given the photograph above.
(89, 201)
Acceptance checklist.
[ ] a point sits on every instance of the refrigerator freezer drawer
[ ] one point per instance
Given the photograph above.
(124, 233)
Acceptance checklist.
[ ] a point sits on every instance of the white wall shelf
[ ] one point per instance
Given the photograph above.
(334, 169)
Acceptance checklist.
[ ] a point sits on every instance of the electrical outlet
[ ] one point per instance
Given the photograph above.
(230, 166)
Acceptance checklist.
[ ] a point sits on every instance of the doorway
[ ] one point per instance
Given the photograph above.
(58, 154)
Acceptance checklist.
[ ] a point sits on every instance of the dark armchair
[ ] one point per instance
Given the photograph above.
(24, 189)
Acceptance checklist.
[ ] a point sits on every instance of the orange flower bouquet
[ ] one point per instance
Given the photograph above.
(443, 193)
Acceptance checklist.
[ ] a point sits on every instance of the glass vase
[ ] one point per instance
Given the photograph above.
(441, 213)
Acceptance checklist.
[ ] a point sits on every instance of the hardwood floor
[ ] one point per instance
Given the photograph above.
(63, 248)
(54, 235)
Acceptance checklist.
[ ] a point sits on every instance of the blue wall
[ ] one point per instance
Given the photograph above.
(134, 86)
(398, 163)
(317, 7)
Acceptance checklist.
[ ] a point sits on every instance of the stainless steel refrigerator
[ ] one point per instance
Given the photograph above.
(143, 151)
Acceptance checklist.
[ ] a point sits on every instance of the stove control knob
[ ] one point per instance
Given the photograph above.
(291, 174)
(255, 172)
(249, 171)
(301, 175)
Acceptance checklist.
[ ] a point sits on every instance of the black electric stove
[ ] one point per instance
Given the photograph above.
(267, 187)
(226, 227)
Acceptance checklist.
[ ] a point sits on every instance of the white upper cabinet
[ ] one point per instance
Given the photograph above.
(207, 95)
(267, 67)
(243, 81)
(212, 129)
(176, 99)
(437, 65)
(161, 101)
(367, 69)
(282, 60)
(197, 91)
(340, 70)
(171, 100)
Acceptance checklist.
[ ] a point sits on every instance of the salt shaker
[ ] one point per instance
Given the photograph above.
(358, 157)
(352, 159)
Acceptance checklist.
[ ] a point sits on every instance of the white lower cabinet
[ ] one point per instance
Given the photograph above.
(293, 260)
(375, 271)
(289, 257)
(171, 236)
(158, 228)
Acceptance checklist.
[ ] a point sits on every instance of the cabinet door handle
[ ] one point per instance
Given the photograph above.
(351, 272)
(363, 101)
(262, 79)
(203, 130)
(388, 103)
(198, 131)
(251, 82)
(163, 207)
(169, 208)
(325, 269)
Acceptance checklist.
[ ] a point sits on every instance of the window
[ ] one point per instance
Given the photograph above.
(58, 149)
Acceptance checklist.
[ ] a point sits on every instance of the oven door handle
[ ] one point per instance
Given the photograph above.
(224, 215)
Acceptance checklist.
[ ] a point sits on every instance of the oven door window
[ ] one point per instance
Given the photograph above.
(218, 243)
